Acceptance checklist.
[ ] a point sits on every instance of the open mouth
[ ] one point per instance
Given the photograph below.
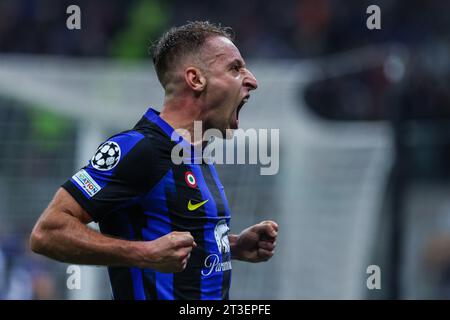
(244, 101)
(235, 123)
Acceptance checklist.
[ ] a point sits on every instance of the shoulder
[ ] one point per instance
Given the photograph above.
(128, 146)
(132, 156)
(112, 151)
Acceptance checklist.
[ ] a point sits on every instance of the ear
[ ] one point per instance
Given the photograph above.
(195, 79)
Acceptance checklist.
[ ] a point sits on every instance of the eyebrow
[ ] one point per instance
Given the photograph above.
(238, 62)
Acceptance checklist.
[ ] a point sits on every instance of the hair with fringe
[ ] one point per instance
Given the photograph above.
(181, 41)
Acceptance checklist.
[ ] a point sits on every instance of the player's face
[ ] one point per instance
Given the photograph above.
(228, 84)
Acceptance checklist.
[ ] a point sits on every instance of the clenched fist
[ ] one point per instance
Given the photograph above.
(169, 253)
(256, 243)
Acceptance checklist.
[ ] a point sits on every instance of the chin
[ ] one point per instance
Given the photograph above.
(229, 134)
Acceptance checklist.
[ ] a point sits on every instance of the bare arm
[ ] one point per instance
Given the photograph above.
(61, 234)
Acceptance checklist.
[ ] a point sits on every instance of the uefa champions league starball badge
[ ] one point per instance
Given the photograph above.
(107, 156)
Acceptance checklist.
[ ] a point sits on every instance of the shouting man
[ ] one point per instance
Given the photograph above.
(164, 226)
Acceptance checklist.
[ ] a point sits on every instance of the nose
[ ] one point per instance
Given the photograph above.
(250, 81)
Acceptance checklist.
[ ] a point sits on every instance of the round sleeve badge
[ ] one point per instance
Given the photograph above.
(107, 156)
(190, 179)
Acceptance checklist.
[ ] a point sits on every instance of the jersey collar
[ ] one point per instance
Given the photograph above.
(153, 116)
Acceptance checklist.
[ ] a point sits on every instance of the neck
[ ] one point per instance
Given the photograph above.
(180, 114)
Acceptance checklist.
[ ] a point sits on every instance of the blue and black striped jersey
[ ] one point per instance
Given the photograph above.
(134, 191)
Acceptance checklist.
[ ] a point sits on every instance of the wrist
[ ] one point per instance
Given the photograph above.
(234, 247)
(140, 253)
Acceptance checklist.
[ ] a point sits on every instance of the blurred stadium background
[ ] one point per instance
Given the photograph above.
(364, 136)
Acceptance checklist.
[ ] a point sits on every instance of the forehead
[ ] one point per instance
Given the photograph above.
(220, 50)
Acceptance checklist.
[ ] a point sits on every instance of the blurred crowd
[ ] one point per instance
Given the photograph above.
(24, 275)
(294, 29)
(264, 28)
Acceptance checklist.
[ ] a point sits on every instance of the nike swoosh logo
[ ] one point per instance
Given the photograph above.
(192, 207)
